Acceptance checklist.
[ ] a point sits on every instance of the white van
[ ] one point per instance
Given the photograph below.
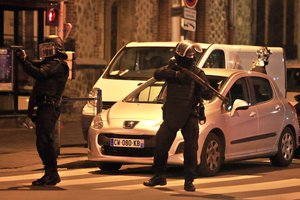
(137, 61)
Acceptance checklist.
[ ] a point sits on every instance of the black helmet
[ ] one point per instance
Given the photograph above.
(52, 47)
(185, 52)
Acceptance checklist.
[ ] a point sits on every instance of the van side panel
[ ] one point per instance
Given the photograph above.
(243, 56)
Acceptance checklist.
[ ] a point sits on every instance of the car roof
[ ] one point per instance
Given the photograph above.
(221, 72)
(230, 72)
(160, 44)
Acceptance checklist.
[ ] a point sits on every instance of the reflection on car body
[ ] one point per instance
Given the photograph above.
(257, 121)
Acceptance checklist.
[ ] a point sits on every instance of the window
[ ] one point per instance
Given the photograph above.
(238, 91)
(139, 63)
(275, 25)
(262, 89)
(215, 60)
(154, 93)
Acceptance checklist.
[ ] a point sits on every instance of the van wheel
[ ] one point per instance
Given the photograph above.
(286, 148)
(109, 166)
(211, 156)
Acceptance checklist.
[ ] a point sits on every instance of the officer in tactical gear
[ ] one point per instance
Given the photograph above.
(182, 110)
(262, 60)
(50, 79)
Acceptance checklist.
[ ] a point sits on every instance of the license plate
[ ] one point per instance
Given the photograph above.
(124, 142)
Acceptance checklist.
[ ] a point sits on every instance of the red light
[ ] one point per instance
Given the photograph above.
(51, 15)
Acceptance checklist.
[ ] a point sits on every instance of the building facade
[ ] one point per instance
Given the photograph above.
(101, 27)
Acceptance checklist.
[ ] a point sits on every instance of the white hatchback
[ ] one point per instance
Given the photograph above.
(256, 122)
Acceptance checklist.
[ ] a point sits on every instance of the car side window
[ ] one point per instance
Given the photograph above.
(237, 91)
(215, 60)
(262, 89)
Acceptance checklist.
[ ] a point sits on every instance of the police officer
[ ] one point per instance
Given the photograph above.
(50, 80)
(180, 111)
(262, 60)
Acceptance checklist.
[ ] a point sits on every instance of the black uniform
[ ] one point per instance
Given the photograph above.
(261, 69)
(180, 111)
(50, 82)
(50, 75)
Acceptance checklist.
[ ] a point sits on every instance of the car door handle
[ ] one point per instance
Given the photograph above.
(252, 114)
(277, 107)
(139, 84)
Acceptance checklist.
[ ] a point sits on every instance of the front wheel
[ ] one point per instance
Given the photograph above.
(286, 148)
(211, 156)
(109, 166)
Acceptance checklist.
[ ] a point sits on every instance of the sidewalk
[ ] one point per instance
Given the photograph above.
(18, 150)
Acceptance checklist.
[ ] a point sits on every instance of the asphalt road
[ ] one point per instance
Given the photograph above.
(81, 179)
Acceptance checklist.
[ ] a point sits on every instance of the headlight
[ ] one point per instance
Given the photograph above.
(93, 94)
(97, 122)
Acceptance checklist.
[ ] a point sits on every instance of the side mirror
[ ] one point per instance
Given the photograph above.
(239, 105)
(297, 97)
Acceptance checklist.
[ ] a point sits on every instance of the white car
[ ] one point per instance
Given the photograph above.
(136, 62)
(257, 121)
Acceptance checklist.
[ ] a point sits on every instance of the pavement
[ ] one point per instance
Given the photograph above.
(18, 151)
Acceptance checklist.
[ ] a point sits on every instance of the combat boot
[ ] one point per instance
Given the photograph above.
(189, 186)
(51, 177)
(156, 180)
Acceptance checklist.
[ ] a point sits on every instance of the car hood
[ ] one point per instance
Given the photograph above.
(142, 111)
(146, 118)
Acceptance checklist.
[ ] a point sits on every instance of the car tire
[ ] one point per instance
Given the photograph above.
(286, 148)
(109, 166)
(211, 156)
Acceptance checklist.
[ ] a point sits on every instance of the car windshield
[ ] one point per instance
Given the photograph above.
(139, 63)
(293, 79)
(155, 91)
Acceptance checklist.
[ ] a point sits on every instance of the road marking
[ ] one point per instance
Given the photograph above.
(63, 173)
(100, 179)
(172, 183)
(254, 186)
(287, 196)
(83, 177)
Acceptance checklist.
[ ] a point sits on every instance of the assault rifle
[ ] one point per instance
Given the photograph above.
(200, 81)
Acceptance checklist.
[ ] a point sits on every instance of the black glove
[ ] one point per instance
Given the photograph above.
(173, 64)
(201, 114)
(21, 55)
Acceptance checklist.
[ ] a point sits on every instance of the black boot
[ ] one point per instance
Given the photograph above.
(189, 186)
(156, 180)
(51, 177)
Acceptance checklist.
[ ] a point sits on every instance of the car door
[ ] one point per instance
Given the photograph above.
(242, 125)
(270, 111)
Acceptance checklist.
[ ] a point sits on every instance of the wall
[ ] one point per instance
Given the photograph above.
(216, 16)
(242, 22)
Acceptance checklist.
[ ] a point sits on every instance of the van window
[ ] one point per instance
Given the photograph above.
(293, 79)
(138, 63)
(215, 60)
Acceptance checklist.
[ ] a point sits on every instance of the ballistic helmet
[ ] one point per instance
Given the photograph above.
(185, 52)
(263, 54)
(52, 47)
